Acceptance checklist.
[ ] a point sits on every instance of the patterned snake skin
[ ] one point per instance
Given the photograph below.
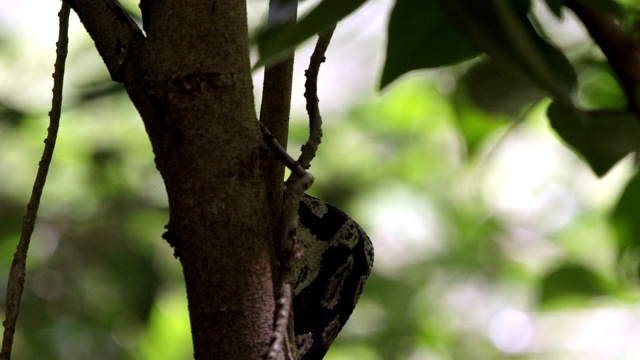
(329, 277)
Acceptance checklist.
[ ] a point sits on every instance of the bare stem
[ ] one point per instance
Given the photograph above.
(274, 115)
(311, 95)
(295, 186)
(275, 109)
(15, 285)
(283, 316)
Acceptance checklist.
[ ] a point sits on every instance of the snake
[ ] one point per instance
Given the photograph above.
(329, 277)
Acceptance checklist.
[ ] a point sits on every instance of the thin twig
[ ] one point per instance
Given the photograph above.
(298, 182)
(15, 285)
(282, 321)
(276, 94)
(311, 95)
(282, 154)
(274, 114)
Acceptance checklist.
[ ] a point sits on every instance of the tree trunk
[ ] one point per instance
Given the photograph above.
(190, 80)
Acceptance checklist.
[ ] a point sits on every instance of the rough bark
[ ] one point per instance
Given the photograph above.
(190, 80)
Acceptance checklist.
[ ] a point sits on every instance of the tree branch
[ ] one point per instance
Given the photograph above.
(298, 182)
(274, 112)
(289, 251)
(617, 45)
(311, 95)
(15, 284)
(112, 30)
(283, 319)
(276, 94)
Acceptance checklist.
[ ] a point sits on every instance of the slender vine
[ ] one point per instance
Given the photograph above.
(15, 284)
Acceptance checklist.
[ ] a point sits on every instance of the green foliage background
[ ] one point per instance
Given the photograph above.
(493, 240)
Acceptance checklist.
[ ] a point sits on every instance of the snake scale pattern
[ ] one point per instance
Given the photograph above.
(329, 277)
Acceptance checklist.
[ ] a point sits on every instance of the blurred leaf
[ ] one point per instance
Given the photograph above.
(609, 6)
(393, 296)
(599, 87)
(10, 114)
(476, 126)
(474, 123)
(498, 90)
(625, 218)
(132, 9)
(167, 335)
(421, 36)
(555, 6)
(277, 42)
(351, 351)
(99, 90)
(569, 283)
(602, 137)
(502, 30)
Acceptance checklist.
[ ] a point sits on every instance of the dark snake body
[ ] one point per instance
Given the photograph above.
(329, 277)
